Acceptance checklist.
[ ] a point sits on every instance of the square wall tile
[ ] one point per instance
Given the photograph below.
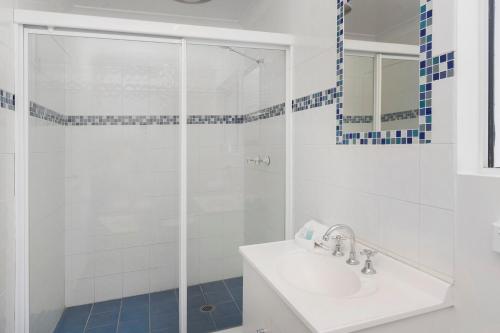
(360, 211)
(109, 262)
(108, 287)
(135, 283)
(399, 222)
(443, 30)
(436, 235)
(163, 278)
(7, 131)
(79, 292)
(135, 258)
(437, 175)
(397, 171)
(6, 176)
(444, 111)
(82, 266)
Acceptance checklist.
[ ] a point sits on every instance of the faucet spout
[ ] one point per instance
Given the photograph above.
(352, 260)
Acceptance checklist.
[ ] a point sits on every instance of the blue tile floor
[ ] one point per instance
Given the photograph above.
(159, 312)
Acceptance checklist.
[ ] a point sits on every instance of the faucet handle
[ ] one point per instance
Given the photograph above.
(368, 253)
(337, 250)
(368, 269)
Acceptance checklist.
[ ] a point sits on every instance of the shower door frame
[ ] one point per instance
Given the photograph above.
(58, 24)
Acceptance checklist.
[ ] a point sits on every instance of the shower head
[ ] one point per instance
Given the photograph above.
(347, 7)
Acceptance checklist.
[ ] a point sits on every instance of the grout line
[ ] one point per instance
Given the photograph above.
(232, 296)
(176, 292)
(373, 194)
(149, 311)
(119, 315)
(88, 318)
(206, 302)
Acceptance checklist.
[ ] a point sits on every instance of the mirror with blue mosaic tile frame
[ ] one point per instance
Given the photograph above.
(385, 70)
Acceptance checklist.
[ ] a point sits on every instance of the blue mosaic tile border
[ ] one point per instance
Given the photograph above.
(121, 120)
(41, 112)
(7, 100)
(385, 118)
(401, 115)
(358, 119)
(214, 119)
(432, 68)
(270, 112)
(322, 98)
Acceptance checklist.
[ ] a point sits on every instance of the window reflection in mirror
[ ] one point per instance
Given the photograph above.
(381, 67)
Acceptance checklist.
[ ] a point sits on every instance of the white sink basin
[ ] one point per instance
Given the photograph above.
(319, 274)
(330, 296)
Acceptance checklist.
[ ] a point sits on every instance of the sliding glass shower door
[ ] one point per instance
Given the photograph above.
(103, 184)
(236, 172)
(106, 230)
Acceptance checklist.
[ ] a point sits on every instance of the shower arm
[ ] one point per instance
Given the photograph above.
(258, 61)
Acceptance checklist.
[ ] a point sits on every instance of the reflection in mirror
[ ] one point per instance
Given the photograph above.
(381, 74)
(399, 96)
(359, 93)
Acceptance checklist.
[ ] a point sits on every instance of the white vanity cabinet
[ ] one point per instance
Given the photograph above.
(288, 289)
(263, 310)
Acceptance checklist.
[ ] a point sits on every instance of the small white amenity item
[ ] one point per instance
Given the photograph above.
(309, 234)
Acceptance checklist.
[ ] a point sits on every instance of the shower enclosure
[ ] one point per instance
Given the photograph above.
(148, 162)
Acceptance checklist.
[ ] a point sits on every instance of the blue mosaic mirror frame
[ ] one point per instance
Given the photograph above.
(431, 68)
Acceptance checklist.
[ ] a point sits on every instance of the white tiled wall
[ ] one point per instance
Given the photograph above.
(121, 211)
(7, 231)
(100, 82)
(215, 164)
(46, 187)
(232, 203)
(7, 216)
(46, 224)
(264, 197)
(215, 202)
(399, 198)
(121, 181)
(265, 185)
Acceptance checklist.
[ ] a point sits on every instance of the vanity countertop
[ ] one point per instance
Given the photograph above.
(396, 292)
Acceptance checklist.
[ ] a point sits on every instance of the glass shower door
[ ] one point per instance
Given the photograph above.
(103, 184)
(104, 177)
(235, 173)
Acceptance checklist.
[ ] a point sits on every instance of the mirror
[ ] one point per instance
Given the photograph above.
(381, 65)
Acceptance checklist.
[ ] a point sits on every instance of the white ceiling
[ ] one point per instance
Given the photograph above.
(373, 18)
(214, 12)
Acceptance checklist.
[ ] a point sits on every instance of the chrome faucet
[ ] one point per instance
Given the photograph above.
(352, 260)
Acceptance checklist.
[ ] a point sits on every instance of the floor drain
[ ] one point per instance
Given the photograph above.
(207, 308)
